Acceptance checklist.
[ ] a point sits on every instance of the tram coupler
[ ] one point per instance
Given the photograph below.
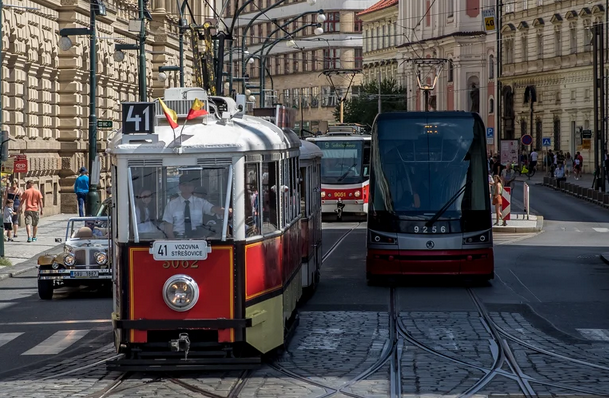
(339, 208)
(181, 344)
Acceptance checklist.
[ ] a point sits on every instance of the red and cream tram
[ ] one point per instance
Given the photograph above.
(429, 196)
(215, 237)
(345, 171)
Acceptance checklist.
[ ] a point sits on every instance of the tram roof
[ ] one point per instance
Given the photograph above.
(238, 134)
(308, 150)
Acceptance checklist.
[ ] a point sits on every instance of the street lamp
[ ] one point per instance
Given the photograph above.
(119, 56)
(162, 76)
(97, 7)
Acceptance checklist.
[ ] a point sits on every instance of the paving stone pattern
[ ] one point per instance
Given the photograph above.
(333, 348)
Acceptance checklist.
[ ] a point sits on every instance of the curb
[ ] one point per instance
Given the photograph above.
(605, 257)
(17, 272)
(523, 230)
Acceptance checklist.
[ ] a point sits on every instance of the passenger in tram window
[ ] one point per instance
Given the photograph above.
(144, 213)
(184, 215)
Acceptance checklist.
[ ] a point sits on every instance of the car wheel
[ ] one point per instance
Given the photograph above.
(45, 290)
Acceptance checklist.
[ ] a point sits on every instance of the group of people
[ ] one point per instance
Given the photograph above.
(561, 165)
(30, 203)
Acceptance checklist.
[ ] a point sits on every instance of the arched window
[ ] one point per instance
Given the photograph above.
(491, 105)
(450, 70)
(491, 67)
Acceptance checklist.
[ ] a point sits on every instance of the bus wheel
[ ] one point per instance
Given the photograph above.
(45, 290)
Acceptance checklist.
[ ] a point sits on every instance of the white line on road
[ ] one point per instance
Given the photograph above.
(525, 286)
(604, 230)
(6, 337)
(57, 342)
(595, 334)
(68, 322)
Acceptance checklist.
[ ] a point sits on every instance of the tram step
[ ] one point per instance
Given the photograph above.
(178, 354)
(152, 365)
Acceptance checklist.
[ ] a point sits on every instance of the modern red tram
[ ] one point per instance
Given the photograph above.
(344, 172)
(215, 238)
(429, 196)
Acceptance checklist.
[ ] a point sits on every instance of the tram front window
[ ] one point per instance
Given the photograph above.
(341, 162)
(178, 202)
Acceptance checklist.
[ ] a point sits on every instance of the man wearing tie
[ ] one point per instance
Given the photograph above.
(185, 213)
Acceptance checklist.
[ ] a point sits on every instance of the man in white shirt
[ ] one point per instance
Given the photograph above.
(184, 214)
(533, 159)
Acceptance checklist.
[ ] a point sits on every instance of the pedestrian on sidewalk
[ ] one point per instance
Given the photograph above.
(8, 219)
(568, 164)
(534, 156)
(81, 188)
(497, 198)
(508, 175)
(577, 165)
(14, 193)
(31, 206)
(559, 173)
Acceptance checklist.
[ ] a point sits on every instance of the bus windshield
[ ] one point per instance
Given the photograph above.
(342, 162)
(178, 202)
(423, 165)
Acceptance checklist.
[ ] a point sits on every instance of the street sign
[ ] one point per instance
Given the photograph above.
(104, 124)
(20, 165)
(526, 139)
(587, 134)
(546, 141)
(138, 117)
(489, 19)
(490, 133)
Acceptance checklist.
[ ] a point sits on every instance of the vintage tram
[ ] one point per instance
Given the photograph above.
(345, 170)
(216, 231)
(429, 196)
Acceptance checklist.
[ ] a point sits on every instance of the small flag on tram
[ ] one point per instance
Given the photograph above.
(197, 109)
(170, 114)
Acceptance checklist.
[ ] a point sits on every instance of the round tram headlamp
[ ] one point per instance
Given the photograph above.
(69, 259)
(101, 258)
(357, 194)
(180, 292)
(323, 194)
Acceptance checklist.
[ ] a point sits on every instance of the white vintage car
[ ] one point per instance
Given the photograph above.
(84, 260)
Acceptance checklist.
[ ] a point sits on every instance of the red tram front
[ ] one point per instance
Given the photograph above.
(207, 240)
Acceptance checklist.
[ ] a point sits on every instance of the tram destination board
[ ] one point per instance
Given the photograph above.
(180, 250)
(138, 117)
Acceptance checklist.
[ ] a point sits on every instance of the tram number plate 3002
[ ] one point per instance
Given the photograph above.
(180, 250)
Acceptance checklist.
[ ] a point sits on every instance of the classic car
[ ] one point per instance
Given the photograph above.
(84, 260)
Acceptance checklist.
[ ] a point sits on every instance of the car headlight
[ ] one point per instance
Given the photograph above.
(101, 258)
(180, 292)
(323, 194)
(69, 259)
(357, 194)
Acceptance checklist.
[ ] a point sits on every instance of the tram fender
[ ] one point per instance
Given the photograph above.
(267, 335)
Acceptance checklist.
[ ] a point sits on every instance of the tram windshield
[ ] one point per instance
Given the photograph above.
(423, 165)
(343, 161)
(178, 202)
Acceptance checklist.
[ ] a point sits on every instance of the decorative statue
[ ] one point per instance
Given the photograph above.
(475, 97)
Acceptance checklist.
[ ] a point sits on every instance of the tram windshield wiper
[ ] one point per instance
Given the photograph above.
(443, 209)
(346, 173)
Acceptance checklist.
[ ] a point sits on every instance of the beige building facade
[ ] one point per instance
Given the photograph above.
(548, 47)
(45, 91)
(294, 75)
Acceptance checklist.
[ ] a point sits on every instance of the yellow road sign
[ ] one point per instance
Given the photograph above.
(489, 23)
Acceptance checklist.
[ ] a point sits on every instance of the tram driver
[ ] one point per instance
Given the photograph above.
(183, 215)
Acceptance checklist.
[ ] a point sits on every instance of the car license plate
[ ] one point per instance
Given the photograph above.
(84, 274)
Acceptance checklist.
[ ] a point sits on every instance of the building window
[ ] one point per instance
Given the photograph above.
(384, 37)
(305, 62)
(525, 4)
(295, 98)
(332, 58)
(379, 39)
(573, 38)
(332, 23)
(509, 51)
(491, 106)
(328, 97)
(365, 41)
(451, 70)
(277, 65)
(306, 93)
(450, 8)
(295, 62)
(587, 35)
(357, 24)
(286, 64)
(491, 67)
(286, 97)
(525, 55)
(557, 42)
(315, 97)
(370, 39)
(359, 58)
(539, 44)
(391, 38)
(556, 134)
(314, 61)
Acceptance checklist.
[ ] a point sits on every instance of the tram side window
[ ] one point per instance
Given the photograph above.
(148, 205)
(304, 203)
(295, 188)
(269, 197)
(252, 200)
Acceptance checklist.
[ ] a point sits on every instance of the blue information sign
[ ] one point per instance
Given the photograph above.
(490, 132)
(546, 141)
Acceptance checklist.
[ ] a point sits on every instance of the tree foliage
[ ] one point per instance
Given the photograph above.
(363, 108)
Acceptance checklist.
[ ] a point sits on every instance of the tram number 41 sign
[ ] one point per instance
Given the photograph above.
(180, 250)
(138, 118)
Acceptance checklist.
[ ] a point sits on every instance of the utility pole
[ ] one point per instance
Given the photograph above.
(93, 195)
(498, 98)
(379, 101)
(142, 62)
(1, 121)
(598, 65)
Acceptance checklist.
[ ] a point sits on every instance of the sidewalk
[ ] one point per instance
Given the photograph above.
(23, 255)
(518, 223)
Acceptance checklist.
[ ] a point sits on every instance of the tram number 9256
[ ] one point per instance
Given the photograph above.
(434, 229)
(181, 264)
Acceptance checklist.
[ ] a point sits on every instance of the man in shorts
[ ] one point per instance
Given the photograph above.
(31, 205)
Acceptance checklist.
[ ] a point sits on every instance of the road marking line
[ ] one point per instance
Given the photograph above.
(604, 230)
(7, 337)
(57, 342)
(56, 322)
(595, 334)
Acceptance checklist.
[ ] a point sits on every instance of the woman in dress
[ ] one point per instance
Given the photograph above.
(14, 193)
(497, 191)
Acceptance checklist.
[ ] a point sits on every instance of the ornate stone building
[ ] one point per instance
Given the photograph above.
(548, 47)
(451, 30)
(45, 90)
(380, 41)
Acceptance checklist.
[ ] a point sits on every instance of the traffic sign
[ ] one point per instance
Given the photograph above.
(20, 165)
(587, 134)
(490, 133)
(104, 124)
(546, 141)
(489, 19)
(138, 117)
(526, 139)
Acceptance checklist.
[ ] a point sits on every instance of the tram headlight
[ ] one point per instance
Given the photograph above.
(180, 292)
(357, 194)
(477, 239)
(323, 194)
(69, 259)
(101, 258)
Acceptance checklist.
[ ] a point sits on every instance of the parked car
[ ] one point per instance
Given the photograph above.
(83, 261)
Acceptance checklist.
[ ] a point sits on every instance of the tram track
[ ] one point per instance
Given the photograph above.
(338, 242)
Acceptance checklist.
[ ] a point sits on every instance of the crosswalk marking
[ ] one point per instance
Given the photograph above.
(595, 334)
(507, 238)
(604, 230)
(57, 342)
(7, 337)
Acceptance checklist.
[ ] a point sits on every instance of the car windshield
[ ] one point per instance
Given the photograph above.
(173, 202)
(88, 229)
